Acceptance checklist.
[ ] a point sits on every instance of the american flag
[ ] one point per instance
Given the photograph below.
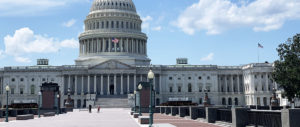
(115, 40)
(260, 46)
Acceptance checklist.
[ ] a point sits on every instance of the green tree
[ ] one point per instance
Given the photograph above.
(287, 68)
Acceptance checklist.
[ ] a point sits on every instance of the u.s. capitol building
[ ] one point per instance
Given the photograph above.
(113, 60)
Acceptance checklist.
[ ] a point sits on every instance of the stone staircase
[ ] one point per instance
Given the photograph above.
(112, 102)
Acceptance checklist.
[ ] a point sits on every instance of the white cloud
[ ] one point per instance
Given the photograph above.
(217, 16)
(158, 28)
(69, 23)
(146, 24)
(24, 41)
(209, 57)
(22, 59)
(31, 7)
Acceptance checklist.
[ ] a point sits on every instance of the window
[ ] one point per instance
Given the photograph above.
(199, 77)
(200, 101)
(13, 79)
(32, 79)
(102, 25)
(179, 78)
(117, 24)
(107, 24)
(190, 78)
(171, 89)
(21, 79)
(122, 25)
(32, 89)
(200, 88)
(179, 89)
(126, 25)
(43, 79)
(21, 90)
(170, 78)
(12, 91)
(189, 87)
(112, 24)
(255, 76)
(208, 78)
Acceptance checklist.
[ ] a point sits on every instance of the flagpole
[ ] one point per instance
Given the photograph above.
(258, 54)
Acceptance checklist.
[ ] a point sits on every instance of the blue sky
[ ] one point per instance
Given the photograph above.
(218, 32)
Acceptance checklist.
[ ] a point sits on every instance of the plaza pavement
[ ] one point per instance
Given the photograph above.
(106, 118)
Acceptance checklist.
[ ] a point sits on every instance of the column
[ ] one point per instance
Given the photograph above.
(95, 84)
(226, 85)
(267, 82)
(122, 84)
(69, 82)
(160, 90)
(121, 44)
(128, 86)
(115, 46)
(238, 82)
(154, 83)
(141, 77)
(89, 85)
(132, 46)
(75, 85)
(127, 45)
(108, 82)
(115, 84)
(134, 81)
(232, 84)
(82, 93)
(103, 45)
(101, 84)
(109, 44)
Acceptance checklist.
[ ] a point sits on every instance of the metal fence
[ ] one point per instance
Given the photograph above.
(264, 118)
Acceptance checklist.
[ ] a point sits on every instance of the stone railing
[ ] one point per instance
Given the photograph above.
(236, 117)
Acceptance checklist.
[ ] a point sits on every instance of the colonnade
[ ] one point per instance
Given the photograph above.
(105, 84)
(128, 45)
(230, 83)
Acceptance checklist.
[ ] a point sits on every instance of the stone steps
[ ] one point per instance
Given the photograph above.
(112, 103)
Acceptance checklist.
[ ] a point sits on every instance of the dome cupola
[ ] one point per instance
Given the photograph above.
(126, 5)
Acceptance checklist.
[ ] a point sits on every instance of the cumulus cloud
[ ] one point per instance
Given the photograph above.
(217, 16)
(158, 28)
(24, 41)
(69, 23)
(22, 59)
(209, 57)
(30, 7)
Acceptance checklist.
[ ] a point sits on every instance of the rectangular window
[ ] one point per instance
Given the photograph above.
(171, 89)
(12, 91)
(21, 90)
(179, 89)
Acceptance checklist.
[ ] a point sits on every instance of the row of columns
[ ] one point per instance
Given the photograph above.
(92, 25)
(231, 85)
(128, 45)
(108, 76)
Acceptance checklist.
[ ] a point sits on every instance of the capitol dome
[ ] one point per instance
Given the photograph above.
(113, 4)
(113, 32)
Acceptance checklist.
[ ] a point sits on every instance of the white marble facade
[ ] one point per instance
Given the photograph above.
(104, 68)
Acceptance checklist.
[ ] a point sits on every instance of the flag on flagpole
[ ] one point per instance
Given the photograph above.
(115, 40)
(260, 46)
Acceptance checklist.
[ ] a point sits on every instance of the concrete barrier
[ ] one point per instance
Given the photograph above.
(184, 111)
(49, 114)
(290, 117)
(211, 114)
(144, 119)
(239, 117)
(168, 110)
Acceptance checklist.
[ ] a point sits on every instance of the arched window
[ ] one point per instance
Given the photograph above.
(229, 101)
(112, 24)
(179, 89)
(223, 101)
(265, 101)
(200, 101)
(117, 24)
(171, 89)
(189, 87)
(32, 89)
(236, 101)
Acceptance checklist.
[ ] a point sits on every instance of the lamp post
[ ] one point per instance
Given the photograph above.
(57, 112)
(274, 101)
(150, 77)
(205, 98)
(134, 101)
(39, 104)
(6, 113)
(140, 87)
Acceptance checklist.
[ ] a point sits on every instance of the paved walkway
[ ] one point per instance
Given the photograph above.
(106, 118)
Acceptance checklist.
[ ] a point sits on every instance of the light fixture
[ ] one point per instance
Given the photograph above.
(140, 87)
(150, 75)
(7, 88)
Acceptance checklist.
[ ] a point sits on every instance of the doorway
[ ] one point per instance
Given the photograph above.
(111, 89)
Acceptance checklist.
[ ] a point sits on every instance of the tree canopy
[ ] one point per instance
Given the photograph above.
(287, 68)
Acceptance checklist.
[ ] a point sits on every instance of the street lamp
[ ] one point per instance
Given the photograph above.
(39, 104)
(57, 112)
(274, 101)
(140, 87)
(134, 101)
(7, 90)
(150, 77)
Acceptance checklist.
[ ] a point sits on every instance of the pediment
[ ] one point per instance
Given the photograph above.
(111, 64)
